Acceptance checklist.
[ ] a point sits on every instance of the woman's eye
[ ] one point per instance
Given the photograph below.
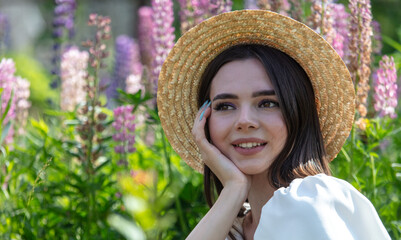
(268, 104)
(224, 107)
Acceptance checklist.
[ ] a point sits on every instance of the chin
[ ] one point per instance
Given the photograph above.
(252, 169)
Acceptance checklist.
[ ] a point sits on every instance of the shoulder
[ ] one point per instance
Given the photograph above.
(319, 207)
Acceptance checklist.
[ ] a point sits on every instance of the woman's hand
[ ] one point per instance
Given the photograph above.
(218, 221)
(228, 174)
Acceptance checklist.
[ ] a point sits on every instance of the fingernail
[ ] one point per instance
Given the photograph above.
(204, 104)
(201, 116)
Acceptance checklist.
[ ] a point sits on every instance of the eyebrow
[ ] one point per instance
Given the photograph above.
(255, 94)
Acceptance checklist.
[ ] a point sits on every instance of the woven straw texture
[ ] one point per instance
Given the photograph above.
(179, 78)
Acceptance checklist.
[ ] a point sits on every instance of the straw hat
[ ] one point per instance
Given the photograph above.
(179, 79)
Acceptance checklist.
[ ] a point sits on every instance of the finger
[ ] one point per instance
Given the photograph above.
(206, 108)
(201, 109)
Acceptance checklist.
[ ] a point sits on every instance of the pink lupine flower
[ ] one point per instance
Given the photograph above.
(73, 68)
(163, 36)
(340, 25)
(145, 31)
(385, 85)
(360, 49)
(125, 129)
(7, 82)
(22, 104)
(133, 84)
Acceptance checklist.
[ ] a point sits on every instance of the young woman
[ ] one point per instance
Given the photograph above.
(275, 106)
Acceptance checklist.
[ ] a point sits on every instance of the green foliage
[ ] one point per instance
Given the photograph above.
(39, 77)
(370, 161)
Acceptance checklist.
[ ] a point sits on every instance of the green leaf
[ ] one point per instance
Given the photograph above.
(72, 122)
(127, 228)
(40, 125)
(7, 107)
(133, 99)
(4, 132)
(392, 43)
(102, 165)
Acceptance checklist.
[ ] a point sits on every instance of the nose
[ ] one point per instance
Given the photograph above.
(247, 119)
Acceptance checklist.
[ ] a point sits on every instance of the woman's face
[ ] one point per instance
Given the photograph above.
(246, 123)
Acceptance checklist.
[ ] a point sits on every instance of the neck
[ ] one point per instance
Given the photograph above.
(261, 191)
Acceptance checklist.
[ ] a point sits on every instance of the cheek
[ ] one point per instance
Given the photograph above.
(217, 130)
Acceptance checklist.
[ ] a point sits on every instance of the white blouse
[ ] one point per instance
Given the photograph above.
(319, 207)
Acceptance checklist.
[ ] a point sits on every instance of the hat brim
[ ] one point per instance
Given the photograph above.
(180, 75)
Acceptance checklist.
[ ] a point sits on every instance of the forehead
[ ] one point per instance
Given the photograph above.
(241, 76)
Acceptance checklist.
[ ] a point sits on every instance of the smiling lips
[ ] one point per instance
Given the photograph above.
(249, 146)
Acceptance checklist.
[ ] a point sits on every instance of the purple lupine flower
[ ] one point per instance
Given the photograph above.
(63, 22)
(145, 30)
(127, 62)
(22, 104)
(7, 83)
(64, 14)
(385, 85)
(360, 48)
(4, 33)
(219, 6)
(74, 64)
(124, 126)
(162, 37)
(186, 15)
(250, 4)
(194, 12)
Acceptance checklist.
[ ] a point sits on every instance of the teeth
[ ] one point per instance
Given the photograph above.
(249, 145)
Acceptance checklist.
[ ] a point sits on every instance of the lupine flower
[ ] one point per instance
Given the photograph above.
(163, 35)
(250, 4)
(360, 48)
(22, 104)
(264, 4)
(97, 53)
(297, 10)
(74, 64)
(7, 82)
(124, 126)
(340, 25)
(186, 15)
(377, 37)
(4, 33)
(63, 29)
(64, 14)
(127, 62)
(133, 84)
(316, 16)
(322, 19)
(385, 85)
(279, 6)
(145, 30)
(194, 12)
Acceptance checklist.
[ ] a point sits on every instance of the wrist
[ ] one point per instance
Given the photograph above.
(238, 190)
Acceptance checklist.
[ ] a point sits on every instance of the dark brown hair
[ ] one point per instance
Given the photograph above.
(303, 153)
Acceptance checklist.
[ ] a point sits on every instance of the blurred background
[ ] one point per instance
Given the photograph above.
(83, 155)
